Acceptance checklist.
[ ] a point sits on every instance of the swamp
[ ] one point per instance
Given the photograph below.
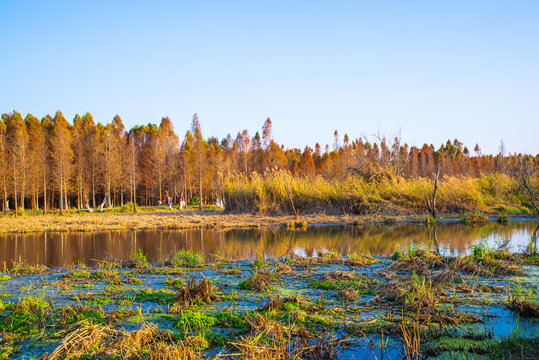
(366, 291)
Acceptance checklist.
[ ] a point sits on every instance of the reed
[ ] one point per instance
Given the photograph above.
(389, 195)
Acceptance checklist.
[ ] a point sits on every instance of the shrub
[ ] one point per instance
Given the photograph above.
(475, 218)
(140, 259)
(127, 208)
(186, 258)
(479, 250)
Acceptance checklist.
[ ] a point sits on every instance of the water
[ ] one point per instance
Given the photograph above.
(59, 249)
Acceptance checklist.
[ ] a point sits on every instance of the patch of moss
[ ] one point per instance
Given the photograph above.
(161, 296)
(231, 319)
(195, 320)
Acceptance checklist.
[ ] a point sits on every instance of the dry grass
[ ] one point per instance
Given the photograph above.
(105, 342)
(334, 258)
(524, 308)
(426, 262)
(278, 302)
(525, 301)
(266, 194)
(260, 280)
(270, 339)
(340, 275)
(172, 220)
(420, 300)
(420, 261)
(193, 292)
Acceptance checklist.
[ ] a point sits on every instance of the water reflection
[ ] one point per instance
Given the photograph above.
(68, 248)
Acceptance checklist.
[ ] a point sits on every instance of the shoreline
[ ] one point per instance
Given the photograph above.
(205, 219)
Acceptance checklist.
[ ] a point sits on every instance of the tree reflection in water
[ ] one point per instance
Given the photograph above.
(58, 249)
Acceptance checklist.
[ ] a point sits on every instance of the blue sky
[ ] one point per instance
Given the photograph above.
(432, 70)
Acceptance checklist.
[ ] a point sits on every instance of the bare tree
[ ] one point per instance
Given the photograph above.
(200, 155)
(3, 169)
(526, 174)
(61, 155)
(432, 206)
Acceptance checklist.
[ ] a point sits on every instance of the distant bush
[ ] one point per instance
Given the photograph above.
(475, 218)
(128, 207)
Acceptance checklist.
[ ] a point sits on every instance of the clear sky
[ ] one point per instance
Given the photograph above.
(435, 70)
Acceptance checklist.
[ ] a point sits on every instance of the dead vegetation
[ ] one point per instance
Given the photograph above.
(425, 262)
(422, 300)
(170, 220)
(524, 308)
(417, 296)
(277, 302)
(524, 301)
(260, 280)
(194, 292)
(340, 275)
(102, 341)
(270, 339)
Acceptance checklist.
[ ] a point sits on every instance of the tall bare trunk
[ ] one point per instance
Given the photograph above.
(61, 202)
(44, 190)
(15, 185)
(61, 185)
(133, 178)
(432, 207)
(66, 203)
(93, 183)
(4, 179)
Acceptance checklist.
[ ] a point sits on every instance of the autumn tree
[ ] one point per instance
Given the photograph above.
(35, 140)
(3, 168)
(121, 151)
(169, 144)
(199, 149)
(62, 156)
(79, 158)
(306, 164)
(17, 151)
(46, 130)
(133, 161)
(109, 159)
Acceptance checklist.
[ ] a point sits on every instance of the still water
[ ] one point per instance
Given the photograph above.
(59, 249)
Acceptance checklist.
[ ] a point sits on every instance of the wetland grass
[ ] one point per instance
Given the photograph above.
(524, 301)
(260, 280)
(192, 293)
(270, 308)
(391, 196)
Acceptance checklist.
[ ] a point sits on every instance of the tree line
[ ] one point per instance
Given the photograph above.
(53, 163)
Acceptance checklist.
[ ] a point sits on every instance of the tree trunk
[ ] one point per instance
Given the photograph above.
(433, 207)
(61, 202)
(93, 184)
(133, 179)
(15, 185)
(44, 192)
(66, 203)
(23, 187)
